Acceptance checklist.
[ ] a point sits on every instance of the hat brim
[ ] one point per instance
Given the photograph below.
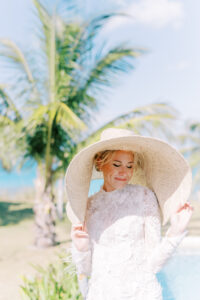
(167, 173)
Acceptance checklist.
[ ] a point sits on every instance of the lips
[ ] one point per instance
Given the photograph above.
(120, 179)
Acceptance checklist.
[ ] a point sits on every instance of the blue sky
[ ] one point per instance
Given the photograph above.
(168, 29)
(169, 72)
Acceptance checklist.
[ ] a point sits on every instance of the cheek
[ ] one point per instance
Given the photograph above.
(112, 171)
(130, 173)
(108, 171)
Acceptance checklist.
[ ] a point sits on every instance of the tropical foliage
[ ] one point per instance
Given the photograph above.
(51, 283)
(191, 149)
(156, 119)
(51, 94)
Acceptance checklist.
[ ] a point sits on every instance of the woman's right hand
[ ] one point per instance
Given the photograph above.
(80, 237)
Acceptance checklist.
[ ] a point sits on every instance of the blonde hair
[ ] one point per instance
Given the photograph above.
(103, 157)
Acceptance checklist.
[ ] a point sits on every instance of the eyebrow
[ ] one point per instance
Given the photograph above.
(130, 162)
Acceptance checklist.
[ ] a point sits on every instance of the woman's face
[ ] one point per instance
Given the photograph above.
(118, 170)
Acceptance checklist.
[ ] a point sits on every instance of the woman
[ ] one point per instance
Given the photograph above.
(116, 233)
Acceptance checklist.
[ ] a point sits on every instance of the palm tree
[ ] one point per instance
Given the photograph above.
(53, 92)
(9, 129)
(191, 149)
(154, 119)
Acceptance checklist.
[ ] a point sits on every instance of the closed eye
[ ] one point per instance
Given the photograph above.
(129, 167)
(116, 165)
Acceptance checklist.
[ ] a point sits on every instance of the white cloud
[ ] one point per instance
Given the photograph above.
(155, 13)
(180, 66)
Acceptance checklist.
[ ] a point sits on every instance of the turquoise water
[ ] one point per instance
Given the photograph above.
(17, 179)
(180, 278)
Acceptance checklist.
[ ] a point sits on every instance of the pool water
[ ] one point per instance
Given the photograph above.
(180, 277)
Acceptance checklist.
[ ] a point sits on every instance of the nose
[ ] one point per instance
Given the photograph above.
(122, 170)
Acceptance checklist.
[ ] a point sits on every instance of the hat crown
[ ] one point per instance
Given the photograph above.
(110, 133)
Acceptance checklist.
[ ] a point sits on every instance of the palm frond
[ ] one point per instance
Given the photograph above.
(8, 104)
(57, 83)
(115, 61)
(16, 57)
(195, 127)
(194, 158)
(11, 149)
(190, 142)
(63, 114)
(196, 180)
(95, 25)
(4, 121)
(44, 17)
(67, 118)
(138, 120)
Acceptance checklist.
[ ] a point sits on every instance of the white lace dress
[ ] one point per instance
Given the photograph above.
(126, 246)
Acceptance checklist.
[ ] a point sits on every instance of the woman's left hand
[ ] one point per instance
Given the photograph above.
(180, 219)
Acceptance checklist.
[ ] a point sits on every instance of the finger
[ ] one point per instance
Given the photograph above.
(186, 205)
(77, 226)
(81, 235)
(85, 226)
(180, 209)
(78, 232)
(185, 212)
(190, 208)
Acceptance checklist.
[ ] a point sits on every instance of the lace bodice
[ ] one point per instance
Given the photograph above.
(126, 247)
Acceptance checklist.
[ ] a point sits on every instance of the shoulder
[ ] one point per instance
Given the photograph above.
(144, 194)
(92, 198)
(137, 188)
(147, 192)
(149, 197)
(150, 200)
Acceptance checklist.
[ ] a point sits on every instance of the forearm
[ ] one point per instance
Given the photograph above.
(83, 284)
(157, 249)
(174, 232)
(82, 260)
(164, 250)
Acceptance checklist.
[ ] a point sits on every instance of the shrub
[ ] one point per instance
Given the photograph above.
(55, 282)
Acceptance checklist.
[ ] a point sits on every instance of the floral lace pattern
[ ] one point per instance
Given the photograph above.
(126, 246)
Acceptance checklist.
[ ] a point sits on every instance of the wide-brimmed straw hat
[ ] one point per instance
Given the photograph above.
(164, 170)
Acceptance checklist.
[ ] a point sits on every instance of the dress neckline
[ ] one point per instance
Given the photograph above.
(102, 191)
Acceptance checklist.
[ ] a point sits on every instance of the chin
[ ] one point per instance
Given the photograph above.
(120, 185)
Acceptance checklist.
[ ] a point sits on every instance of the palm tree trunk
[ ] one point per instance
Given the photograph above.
(45, 213)
(60, 200)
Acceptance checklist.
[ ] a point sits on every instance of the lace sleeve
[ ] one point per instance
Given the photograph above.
(82, 261)
(157, 249)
